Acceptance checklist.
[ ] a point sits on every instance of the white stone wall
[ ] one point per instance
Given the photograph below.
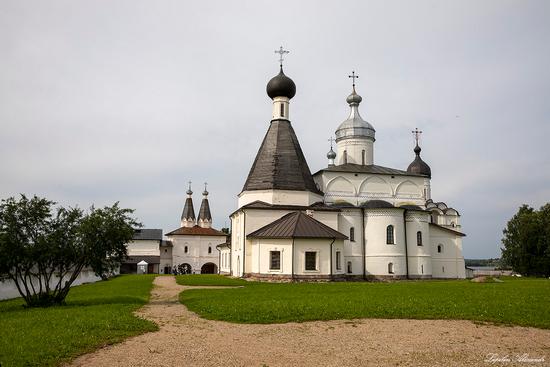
(256, 219)
(197, 250)
(354, 148)
(279, 197)
(420, 258)
(260, 249)
(281, 108)
(225, 260)
(449, 263)
(143, 248)
(165, 258)
(379, 254)
(357, 188)
(353, 252)
(9, 290)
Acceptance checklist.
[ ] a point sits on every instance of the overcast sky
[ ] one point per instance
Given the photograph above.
(104, 101)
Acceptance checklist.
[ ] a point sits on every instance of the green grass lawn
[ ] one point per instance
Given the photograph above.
(96, 314)
(209, 279)
(514, 301)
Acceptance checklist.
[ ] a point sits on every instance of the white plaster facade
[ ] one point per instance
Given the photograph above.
(195, 250)
(362, 201)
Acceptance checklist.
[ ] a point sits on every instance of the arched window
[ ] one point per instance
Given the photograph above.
(440, 248)
(349, 267)
(389, 235)
(390, 268)
(209, 249)
(419, 238)
(185, 249)
(453, 224)
(363, 157)
(352, 234)
(345, 156)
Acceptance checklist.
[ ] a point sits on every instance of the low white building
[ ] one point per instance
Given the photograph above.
(378, 222)
(194, 243)
(145, 246)
(191, 249)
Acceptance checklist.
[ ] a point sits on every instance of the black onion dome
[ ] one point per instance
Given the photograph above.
(281, 86)
(418, 166)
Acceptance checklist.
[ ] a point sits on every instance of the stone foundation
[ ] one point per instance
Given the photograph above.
(296, 278)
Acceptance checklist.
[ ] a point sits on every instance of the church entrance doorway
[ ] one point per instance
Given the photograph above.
(209, 268)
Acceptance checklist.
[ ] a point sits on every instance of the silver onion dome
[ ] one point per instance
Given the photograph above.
(331, 154)
(354, 126)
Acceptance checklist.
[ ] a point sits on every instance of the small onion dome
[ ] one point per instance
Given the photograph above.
(354, 98)
(281, 86)
(205, 193)
(418, 166)
(354, 126)
(331, 154)
(189, 192)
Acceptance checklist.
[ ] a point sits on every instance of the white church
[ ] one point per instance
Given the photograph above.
(350, 220)
(190, 249)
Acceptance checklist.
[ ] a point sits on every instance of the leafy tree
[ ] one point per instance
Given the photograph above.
(527, 241)
(43, 250)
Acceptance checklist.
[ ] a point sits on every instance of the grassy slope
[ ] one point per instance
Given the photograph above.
(514, 301)
(95, 315)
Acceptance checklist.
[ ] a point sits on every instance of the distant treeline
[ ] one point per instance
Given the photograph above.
(483, 262)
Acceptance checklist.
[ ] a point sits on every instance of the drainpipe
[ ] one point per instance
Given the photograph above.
(229, 245)
(292, 263)
(244, 241)
(364, 244)
(219, 260)
(334, 239)
(406, 245)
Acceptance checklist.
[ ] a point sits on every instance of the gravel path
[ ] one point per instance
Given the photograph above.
(184, 339)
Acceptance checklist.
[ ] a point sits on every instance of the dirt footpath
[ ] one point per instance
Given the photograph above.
(184, 339)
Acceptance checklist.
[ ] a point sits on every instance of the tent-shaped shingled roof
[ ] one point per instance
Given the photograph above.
(296, 225)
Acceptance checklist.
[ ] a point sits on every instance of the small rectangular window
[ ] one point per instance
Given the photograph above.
(363, 157)
(349, 267)
(338, 260)
(282, 110)
(275, 260)
(352, 234)
(311, 260)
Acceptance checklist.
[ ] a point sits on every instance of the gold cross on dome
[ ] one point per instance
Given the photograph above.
(416, 134)
(353, 77)
(281, 52)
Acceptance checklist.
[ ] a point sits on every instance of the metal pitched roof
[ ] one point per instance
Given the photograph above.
(373, 168)
(204, 211)
(448, 229)
(320, 206)
(188, 210)
(147, 234)
(280, 163)
(196, 231)
(296, 225)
